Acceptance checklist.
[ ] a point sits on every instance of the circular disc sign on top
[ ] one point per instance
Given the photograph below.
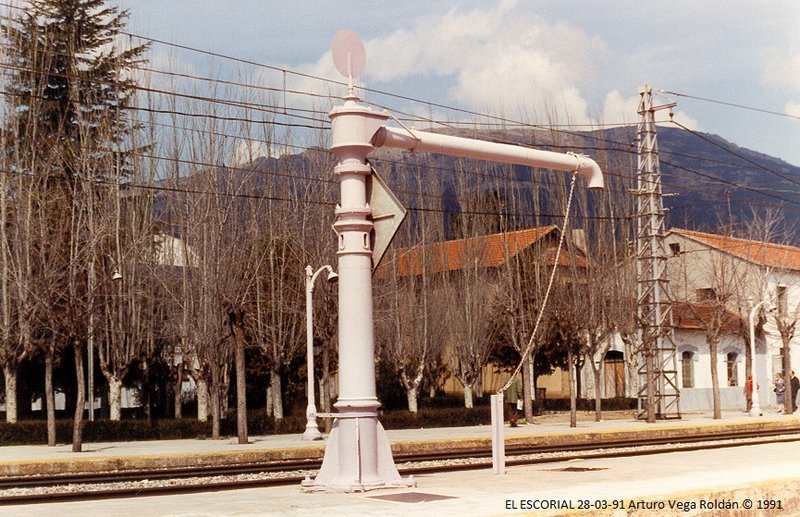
(349, 54)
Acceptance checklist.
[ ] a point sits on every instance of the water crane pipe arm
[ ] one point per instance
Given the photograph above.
(413, 140)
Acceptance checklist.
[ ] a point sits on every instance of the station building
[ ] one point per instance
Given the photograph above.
(715, 281)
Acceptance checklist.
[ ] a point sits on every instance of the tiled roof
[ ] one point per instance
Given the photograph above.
(487, 250)
(692, 317)
(761, 253)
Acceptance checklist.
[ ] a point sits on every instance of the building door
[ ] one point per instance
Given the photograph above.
(614, 373)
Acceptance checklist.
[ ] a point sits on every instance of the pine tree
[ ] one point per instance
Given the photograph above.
(67, 133)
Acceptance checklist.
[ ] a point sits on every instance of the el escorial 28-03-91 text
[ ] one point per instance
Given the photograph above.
(686, 505)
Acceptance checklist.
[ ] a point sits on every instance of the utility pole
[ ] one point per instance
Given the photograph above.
(658, 394)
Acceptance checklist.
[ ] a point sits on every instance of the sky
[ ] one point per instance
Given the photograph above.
(566, 61)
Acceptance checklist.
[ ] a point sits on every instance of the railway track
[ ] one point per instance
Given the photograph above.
(129, 483)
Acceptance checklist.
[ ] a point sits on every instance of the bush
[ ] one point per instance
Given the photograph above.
(33, 432)
(443, 417)
(612, 404)
(258, 423)
(450, 401)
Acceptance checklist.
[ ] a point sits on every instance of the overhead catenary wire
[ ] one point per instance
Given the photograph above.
(500, 120)
(284, 71)
(730, 104)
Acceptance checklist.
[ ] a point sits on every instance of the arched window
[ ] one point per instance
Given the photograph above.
(733, 372)
(687, 368)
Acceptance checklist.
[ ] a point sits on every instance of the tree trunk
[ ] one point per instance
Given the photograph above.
(49, 396)
(325, 403)
(241, 387)
(80, 400)
(411, 396)
(177, 402)
(202, 399)
(325, 389)
(598, 414)
(147, 407)
(527, 394)
(10, 373)
(712, 349)
(270, 403)
(468, 396)
(223, 390)
(114, 398)
(788, 403)
(275, 384)
(748, 359)
(573, 405)
(215, 406)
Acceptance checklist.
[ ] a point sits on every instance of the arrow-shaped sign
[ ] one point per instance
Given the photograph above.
(387, 216)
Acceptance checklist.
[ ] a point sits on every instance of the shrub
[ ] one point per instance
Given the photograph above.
(612, 404)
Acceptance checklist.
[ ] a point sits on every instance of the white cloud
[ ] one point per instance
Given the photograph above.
(618, 110)
(792, 108)
(782, 70)
(507, 60)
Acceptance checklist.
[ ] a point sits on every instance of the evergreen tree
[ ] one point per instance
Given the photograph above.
(67, 133)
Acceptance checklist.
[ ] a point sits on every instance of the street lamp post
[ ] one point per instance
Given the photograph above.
(755, 409)
(312, 431)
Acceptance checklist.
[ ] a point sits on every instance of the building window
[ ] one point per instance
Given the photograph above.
(687, 368)
(675, 248)
(782, 300)
(707, 294)
(733, 372)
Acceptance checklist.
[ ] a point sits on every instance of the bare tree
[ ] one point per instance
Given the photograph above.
(410, 307)
(471, 310)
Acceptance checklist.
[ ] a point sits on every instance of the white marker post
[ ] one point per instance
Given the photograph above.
(498, 434)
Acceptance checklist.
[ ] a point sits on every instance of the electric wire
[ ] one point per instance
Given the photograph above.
(503, 121)
(731, 104)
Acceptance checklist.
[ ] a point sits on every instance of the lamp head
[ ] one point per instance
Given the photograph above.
(332, 276)
(117, 276)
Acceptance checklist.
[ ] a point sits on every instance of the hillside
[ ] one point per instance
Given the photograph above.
(708, 182)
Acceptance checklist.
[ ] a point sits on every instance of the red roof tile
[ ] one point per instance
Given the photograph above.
(693, 317)
(762, 253)
(487, 250)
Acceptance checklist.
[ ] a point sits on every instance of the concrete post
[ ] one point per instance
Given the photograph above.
(498, 434)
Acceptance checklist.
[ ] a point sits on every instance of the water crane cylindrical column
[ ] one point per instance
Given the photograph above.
(357, 455)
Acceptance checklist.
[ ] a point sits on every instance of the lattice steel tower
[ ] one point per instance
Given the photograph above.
(658, 394)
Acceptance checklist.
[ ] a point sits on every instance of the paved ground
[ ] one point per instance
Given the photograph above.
(691, 479)
(706, 482)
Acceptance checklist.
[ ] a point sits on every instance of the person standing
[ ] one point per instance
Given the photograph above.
(748, 393)
(794, 383)
(512, 397)
(780, 392)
